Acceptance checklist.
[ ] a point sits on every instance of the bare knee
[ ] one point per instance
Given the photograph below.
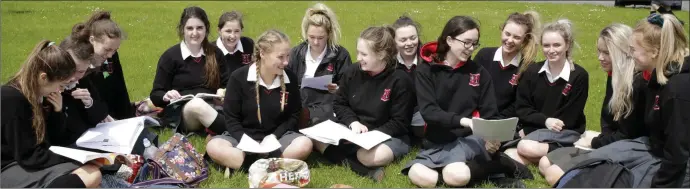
(224, 153)
(544, 163)
(456, 174)
(422, 176)
(194, 107)
(378, 156)
(512, 153)
(90, 175)
(552, 174)
(299, 148)
(320, 146)
(531, 149)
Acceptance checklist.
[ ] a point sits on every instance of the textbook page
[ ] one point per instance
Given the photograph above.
(368, 139)
(116, 136)
(330, 132)
(317, 82)
(83, 156)
(268, 144)
(501, 130)
(198, 95)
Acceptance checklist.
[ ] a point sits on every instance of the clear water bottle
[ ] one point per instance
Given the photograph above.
(149, 149)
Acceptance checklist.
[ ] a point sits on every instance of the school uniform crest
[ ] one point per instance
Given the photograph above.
(386, 95)
(474, 80)
(566, 90)
(514, 80)
(656, 103)
(330, 67)
(246, 58)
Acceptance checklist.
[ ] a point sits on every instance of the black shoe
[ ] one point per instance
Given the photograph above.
(514, 169)
(507, 182)
(377, 174)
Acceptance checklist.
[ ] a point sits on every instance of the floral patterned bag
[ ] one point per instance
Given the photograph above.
(176, 162)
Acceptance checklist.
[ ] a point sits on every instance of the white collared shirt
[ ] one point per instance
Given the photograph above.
(400, 59)
(238, 47)
(565, 72)
(251, 76)
(312, 63)
(498, 56)
(187, 53)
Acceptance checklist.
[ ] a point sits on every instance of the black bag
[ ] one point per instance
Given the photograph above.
(596, 173)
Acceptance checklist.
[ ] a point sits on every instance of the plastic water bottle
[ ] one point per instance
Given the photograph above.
(149, 149)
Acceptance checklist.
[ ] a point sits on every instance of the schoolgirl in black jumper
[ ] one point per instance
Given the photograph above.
(373, 96)
(660, 45)
(551, 98)
(261, 99)
(320, 54)
(408, 43)
(33, 119)
(81, 100)
(190, 67)
(519, 47)
(108, 78)
(622, 111)
(451, 89)
(237, 49)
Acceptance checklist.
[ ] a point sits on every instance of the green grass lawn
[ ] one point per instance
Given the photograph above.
(150, 28)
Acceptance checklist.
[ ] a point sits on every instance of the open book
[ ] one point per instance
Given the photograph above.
(268, 144)
(116, 136)
(330, 132)
(501, 130)
(83, 156)
(198, 95)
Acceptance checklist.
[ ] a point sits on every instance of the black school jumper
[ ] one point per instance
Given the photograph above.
(539, 99)
(240, 107)
(78, 117)
(24, 162)
(187, 77)
(505, 80)
(237, 59)
(335, 62)
(668, 121)
(109, 81)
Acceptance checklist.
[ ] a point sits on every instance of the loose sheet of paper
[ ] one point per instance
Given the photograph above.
(368, 139)
(328, 132)
(501, 130)
(268, 144)
(317, 82)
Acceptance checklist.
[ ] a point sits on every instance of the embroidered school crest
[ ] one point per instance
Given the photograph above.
(474, 80)
(656, 103)
(246, 58)
(513, 81)
(386, 95)
(566, 90)
(330, 67)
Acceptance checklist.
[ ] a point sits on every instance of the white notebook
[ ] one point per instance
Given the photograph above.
(116, 136)
(330, 132)
(501, 130)
(268, 144)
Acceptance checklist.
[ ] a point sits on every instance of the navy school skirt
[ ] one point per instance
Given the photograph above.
(437, 156)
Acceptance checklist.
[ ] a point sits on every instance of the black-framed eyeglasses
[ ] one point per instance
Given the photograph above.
(468, 45)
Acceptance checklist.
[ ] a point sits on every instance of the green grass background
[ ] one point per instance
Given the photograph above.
(151, 29)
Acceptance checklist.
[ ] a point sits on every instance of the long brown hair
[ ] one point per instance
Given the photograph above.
(264, 44)
(46, 58)
(212, 74)
(530, 46)
(99, 25)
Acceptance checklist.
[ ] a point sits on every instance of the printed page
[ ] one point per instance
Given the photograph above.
(269, 144)
(317, 82)
(501, 130)
(369, 139)
(116, 136)
(328, 132)
(182, 99)
(83, 156)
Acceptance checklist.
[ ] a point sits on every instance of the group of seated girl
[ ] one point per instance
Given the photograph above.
(424, 95)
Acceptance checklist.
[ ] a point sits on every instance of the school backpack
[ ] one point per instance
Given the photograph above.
(175, 163)
(596, 173)
(278, 173)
